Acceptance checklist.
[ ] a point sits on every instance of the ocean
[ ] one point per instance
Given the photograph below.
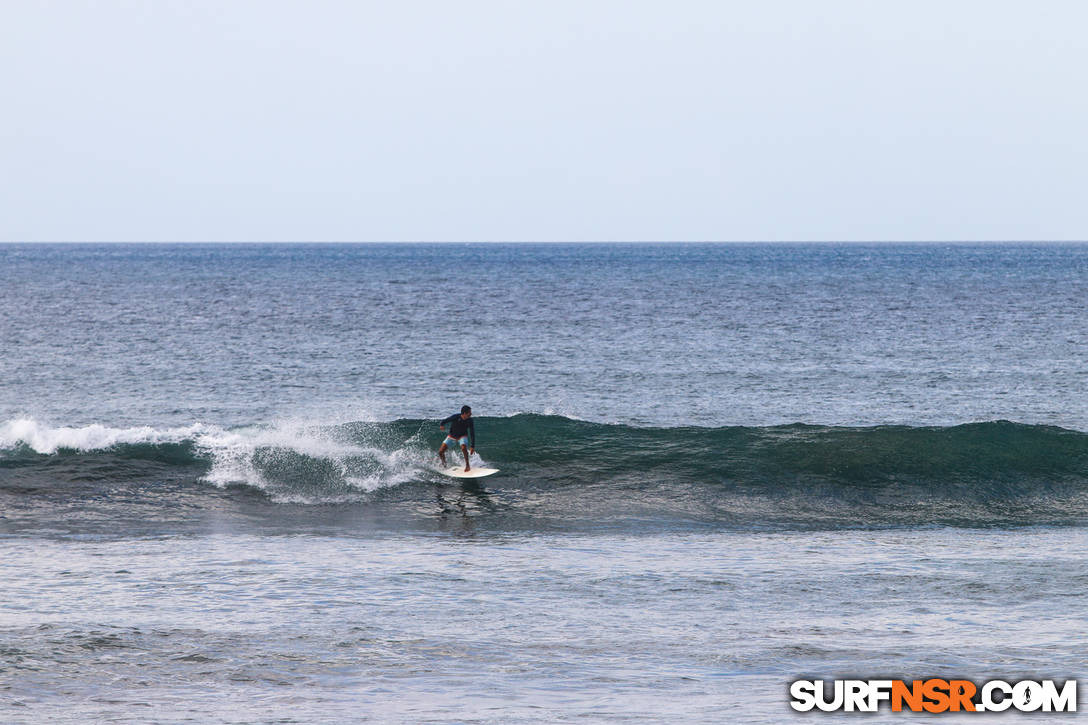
(723, 468)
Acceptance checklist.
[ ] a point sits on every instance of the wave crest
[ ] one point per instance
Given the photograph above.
(291, 461)
(794, 468)
(43, 439)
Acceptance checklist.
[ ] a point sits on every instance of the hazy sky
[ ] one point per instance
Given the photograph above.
(551, 120)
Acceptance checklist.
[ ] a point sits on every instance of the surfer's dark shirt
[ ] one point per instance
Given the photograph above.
(459, 427)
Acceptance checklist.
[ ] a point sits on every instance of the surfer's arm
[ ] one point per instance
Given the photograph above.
(472, 433)
(447, 421)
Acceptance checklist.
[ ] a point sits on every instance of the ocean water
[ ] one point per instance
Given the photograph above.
(723, 468)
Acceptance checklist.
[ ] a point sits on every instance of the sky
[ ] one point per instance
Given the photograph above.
(583, 120)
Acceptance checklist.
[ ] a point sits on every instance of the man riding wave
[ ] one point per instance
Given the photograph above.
(461, 428)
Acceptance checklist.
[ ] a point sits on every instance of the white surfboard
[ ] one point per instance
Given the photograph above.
(459, 472)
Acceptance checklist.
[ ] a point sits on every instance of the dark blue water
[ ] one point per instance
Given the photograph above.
(645, 334)
(722, 467)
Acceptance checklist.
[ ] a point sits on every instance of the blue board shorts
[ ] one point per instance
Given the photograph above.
(451, 441)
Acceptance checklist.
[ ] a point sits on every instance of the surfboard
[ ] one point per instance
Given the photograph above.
(459, 472)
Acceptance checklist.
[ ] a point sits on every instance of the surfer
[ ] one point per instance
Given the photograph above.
(461, 428)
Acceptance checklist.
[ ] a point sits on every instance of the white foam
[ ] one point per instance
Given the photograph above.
(45, 439)
(238, 455)
(234, 457)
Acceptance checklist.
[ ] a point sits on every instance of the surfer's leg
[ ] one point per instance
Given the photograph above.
(442, 454)
(464, 449)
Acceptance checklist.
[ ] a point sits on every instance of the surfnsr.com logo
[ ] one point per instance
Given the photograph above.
(934, 695)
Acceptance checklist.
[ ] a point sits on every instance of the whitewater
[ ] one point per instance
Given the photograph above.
(641, 479)
(723, 468)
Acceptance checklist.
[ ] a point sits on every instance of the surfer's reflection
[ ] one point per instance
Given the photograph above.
(461, 504)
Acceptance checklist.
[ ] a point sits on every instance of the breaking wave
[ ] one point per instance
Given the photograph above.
(972, 474)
